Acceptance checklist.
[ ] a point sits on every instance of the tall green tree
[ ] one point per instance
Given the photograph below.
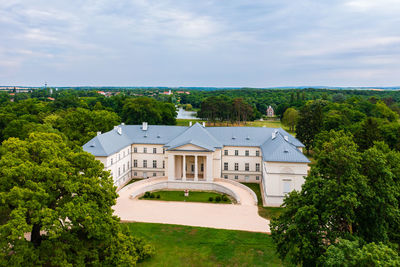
(290, 118)
(56, 208)
(309, 123)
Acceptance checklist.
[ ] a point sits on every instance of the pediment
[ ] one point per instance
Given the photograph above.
(190, 147)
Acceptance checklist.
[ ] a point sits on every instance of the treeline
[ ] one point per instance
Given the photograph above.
(76, 115)
(224, 109)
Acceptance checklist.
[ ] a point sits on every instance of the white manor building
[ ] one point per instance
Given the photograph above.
(197, 153)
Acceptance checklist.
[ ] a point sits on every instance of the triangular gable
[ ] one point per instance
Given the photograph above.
(190, 147)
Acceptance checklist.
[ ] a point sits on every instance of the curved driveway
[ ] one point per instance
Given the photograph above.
(243, 216)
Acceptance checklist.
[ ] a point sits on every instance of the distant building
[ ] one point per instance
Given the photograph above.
(51, 98)
(101, 92)
(270, 112)
(167, 93)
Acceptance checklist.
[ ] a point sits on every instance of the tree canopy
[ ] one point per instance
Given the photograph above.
(56, 207)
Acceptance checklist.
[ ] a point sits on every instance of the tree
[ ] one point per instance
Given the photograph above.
(368, 132)
(325, 208)
(290, 118)
(63, 199)
(309, 123)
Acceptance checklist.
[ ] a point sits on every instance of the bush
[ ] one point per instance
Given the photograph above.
(210, 199)
(146, 195)
(158, 196)
(224, 198)
(218, 198)
(152, 195)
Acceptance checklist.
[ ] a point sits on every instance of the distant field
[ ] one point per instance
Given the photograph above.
(270, 124)
(178, 245)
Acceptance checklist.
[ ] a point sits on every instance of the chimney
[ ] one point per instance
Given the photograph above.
(190, 123)
(98, 133)
(144, 126)
(286, 138)
(122, 123)
(204, 124)
(119, 130)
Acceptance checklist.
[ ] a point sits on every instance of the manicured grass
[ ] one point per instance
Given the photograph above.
(265, 212)
(178, 245)
(185, 122)
(194, 196)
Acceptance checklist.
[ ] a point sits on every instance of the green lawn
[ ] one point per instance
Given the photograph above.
(194, 196)
(269, 123)
(265, 212)
(197, 246)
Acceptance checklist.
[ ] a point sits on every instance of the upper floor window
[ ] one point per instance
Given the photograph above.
(123, 168)
(154, 163)
(257, 167)
(257, 153)
(119, 156)
(119, 171)
(135, 150)
(163, 164)
(145, 150)
(246, 167)
(226, 152)
(236, 152)
(111, 161)
(225, 166)
(128, 151)
(154, 150)
(236, 166)
(135, 163)
(247, 153)
(144, 163)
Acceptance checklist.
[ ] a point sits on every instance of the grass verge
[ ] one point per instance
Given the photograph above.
(265, 212)
(178, 245)
(194, 196)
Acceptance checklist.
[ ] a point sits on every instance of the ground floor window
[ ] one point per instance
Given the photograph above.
(287, 184)
(145, 175)
(226, 176)
(135, 174)
(236, 177)
(154, 174)
(246, 177)
(257, 177)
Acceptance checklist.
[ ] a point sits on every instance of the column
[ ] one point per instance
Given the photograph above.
(209, 168)
(196, 177)
(171, 167)
(184, 168)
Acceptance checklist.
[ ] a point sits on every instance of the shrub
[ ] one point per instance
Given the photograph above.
(146, 195)
(224, 198)
(218, 198)
(152, 195)
(210, 199)
(158, 196)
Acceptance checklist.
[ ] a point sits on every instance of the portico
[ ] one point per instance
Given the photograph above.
(189, 166)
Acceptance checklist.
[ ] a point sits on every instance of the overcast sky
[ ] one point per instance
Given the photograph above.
(200, 43)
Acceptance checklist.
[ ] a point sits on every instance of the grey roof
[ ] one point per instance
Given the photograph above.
(209, 138)
(279, 150)
(196, 135)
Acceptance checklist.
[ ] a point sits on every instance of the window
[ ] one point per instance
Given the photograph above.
(236, 152)
(257, 167)
(145, 175)
(225, 166)
(286, 186)
(145, 150)
(135, 150)
(236, 177)
(257, 177)
(154, 163)
(119, 171)
(236, 166)
(163, 150)
(144, 163)
(154, 174)
(246, 167)
(226, 152)
(123, 168)
(192, 168)
(128, 164)
(135, 174)
(111, 161)
(154, 150)
(202, 167)
(128, 151)
(226, 176)
(123, 152)
(246, 178)
(119, 156)
(163, 164)
(247, 153)
(257, 153)
(135, 163)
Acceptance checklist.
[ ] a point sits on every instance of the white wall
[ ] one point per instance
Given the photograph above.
(276, 174)
(149, 156)
(241, 159)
